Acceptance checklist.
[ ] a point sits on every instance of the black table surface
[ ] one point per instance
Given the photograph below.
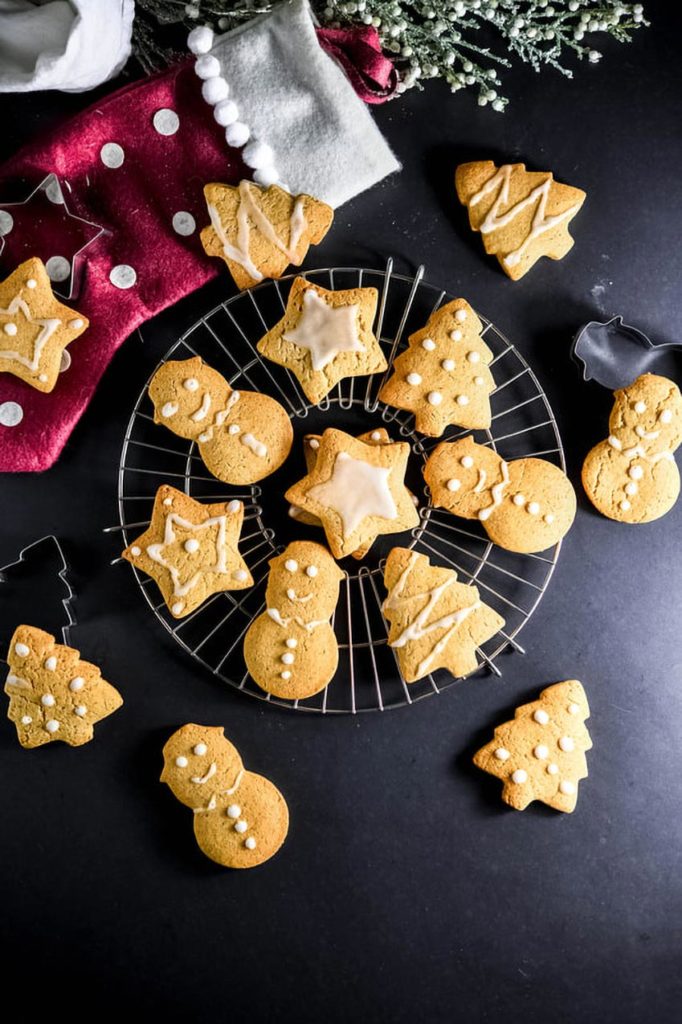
(407, 890)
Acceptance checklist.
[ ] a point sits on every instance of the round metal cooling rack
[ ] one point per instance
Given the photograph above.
(368, 678)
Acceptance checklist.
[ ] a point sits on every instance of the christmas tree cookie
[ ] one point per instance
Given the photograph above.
(260, 231)
(524, 505)
(54, 694)
(632, 476)
(357, 490)
(325, 336)
(444, 377)
(540, 755)
(242, 436)
(291, 650)
(435, 622)
(35, 327)
(240, 818)
(191, 550)
(522, 215)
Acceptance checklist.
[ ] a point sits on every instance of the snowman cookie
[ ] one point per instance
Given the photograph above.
(35, 327)
(435, 622)
(190, 549)
(240, 818)
(325, 336)
(444, 376)
(53, 694)
(524, 505)
(242, 436)
(357, 490)
(291, 649)
(260, 231)
(632, 476)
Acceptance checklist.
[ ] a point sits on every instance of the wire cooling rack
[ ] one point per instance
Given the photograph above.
(368, 678)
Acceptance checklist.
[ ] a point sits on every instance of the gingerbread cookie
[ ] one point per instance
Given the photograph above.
(435, 622)
(240, 818)
(35, 327)
(242, 436)
(191, 550)
(260, 231)
(540, 754)
(325, 336)
(443, 377)
(357, 490)
(521, 214)
(291, 650)
(524, 505)
(632, 476)
(53, 694)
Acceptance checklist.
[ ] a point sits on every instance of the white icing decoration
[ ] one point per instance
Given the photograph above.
(76, 684)
(181, 761)
(31, 283)
(434, 398)
(112, 155)
(631, 488)
(566, 787)
(479, 381)
(566, 743)
(647, 435)
(460, 316)
(80, 710)
(615, 443)
(123, 276)
(533, 508)
(552, 769)
(155, 551)
(10, 328)
(200, 414)
(48, 327)
(51, 663)
(200, 749)
(519, 776)
(453, 485)
(419, 626)
(177, 607)
(640, 407)
(666, 416)
(456, 335)
(250, 843)
(169, 409)
(574, 709)
(481, 481)
(191, 545)
(234, 506)
(494, 220)
(26, 719)
(285, 623)
(286, 674)
(519, 500)
(355, 491)
(166, 121)
(448, 364)
(291, 642)
(191, 384)
(311, 571)
(233, 811)
(200, 780)
(541, 717)
(429, 344)
(52, 725)
(232, 430)
(240, 575)
(240, 826)
(467, 461)
(325, 331)
(541, 752)
(13, 680)
(247, 211)
(11, 414)
(184, 223)
(414, 378)
(287, 658)
(496, 493)
(635, 472)
(625, 505)
(549, 518)
(22, 650)
(462, 400)
(75, 324)
(501, 754)
(473, 357)
(256, 446)
(47, 700)
(210, 806)
(168, 501)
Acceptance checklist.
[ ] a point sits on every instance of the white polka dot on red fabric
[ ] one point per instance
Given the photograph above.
(123, 276)
(11, 414)
(166, 121)
(112, 155)
(184, 223)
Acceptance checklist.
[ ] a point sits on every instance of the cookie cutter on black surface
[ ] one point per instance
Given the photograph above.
(614, 354)
(62, 574)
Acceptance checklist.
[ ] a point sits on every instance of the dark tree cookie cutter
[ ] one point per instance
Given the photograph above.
(614, 354)
(51, 542)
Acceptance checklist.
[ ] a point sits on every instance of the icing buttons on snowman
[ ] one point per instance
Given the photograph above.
(291, 649)
(240, 819)
(632, 476)
(524, 505)
(242, 436)
(443, 377)
(53, 694)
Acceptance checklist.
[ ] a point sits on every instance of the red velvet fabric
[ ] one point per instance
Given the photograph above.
(358, 51)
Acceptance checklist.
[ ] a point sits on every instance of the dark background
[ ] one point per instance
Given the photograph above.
(406, 890)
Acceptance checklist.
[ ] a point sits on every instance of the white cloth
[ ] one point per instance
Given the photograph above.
(298, 100)
(71, 45)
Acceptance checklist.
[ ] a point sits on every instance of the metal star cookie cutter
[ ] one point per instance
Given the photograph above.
(614, 354)
(62, 573)
(65, 274)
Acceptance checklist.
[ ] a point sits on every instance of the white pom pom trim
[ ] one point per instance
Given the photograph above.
(266, 176)
(258, 155)
(214, 90)
(207, 66)
(237, 134)
(200, 40)
(226, 112)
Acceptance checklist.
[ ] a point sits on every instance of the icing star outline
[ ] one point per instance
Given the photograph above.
(345, 465)
(177, 532)
(325, 331)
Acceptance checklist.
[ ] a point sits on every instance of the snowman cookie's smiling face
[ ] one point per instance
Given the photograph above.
(304, 582)
(186, 395)
(649, 414)
(198, 763)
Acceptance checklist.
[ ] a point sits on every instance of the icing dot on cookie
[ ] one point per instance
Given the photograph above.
(191, 384)
(631, 488)
(51, 663)
(625, 505)
(461, 315)
(462, 400)
(456, 335)
(241, 826)
(474, 357)
(191, 545)
(287, 658)
(434, 398)
(467, 461)
(552, 769)
(453, 485)
(47, 700)
(75, 324)
(376, 435)
(448, 364)
(168, 501)
(286, 674)
(31, 283)
(181, 762)
(479, 381)
(291, 642)
(533, 508)
(566, 787)
(291, 594)
(501, 754)
(177, 607)
(43, 378)
(240, 575)
(519, 499)
(135, 550)
(635, 472)
(234, 506)
(314, 443)
(112, 155)
(184, 223)
(166, 121)
(233, 811)
(519, 776)
(541, 717)
(311, 571)
(566, 743)
(414, 378)
(573, 709)
(11, 414)
(429, 344)
(640, 406)
(26, 719)
(80, 710)
(541, 752)
(549, 518)
(291, 565)
(22, 650)
(76, 684)
(233, 429)
(10, 328)
(200, 749)
(666, 416)
(52, 725)
(250, 843)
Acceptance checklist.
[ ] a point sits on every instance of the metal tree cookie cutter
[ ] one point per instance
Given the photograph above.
(65, 272)
(51, 542)
(614, 354)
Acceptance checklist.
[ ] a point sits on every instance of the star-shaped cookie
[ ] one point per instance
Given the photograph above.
(325, 336)
(443, 377)
(190, 550)
(357, 490)
(35, 327)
